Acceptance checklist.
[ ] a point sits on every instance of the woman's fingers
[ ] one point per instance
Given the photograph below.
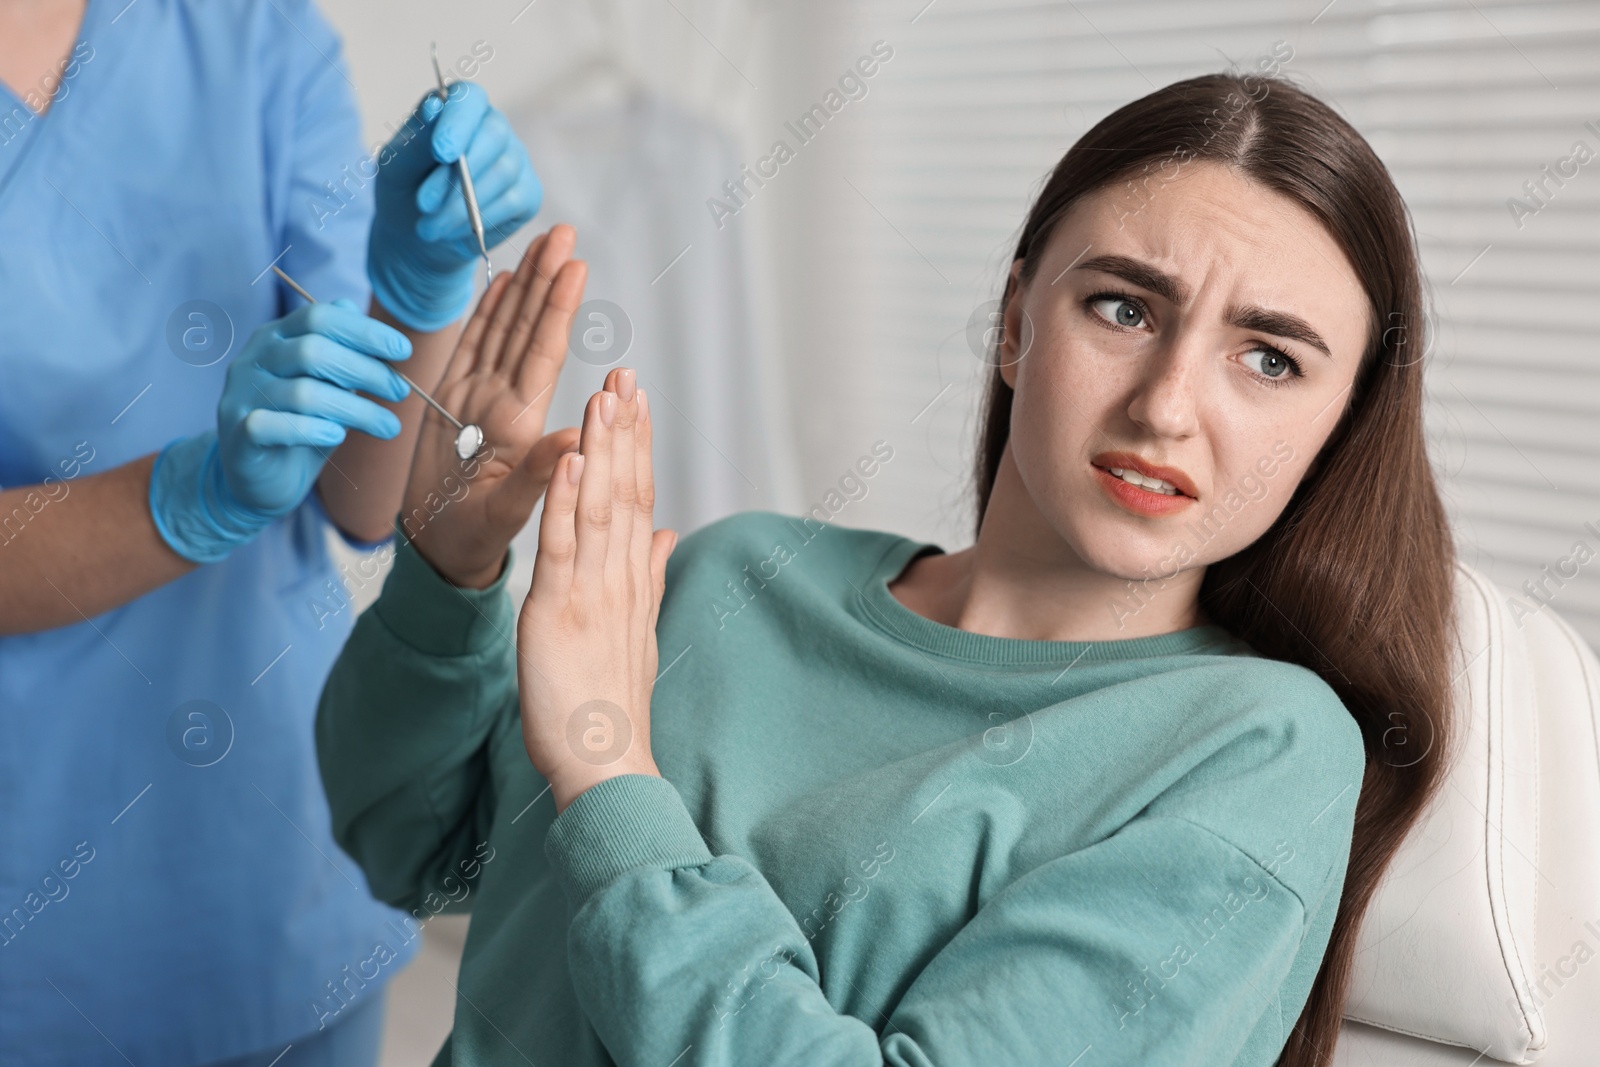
(644, 479)
(541, 363)
(555, 251)
(535, 288)
(511, 316)
(558, 544)
(620, 557)
(469, 350)
(499, 325)
(529, 478)
(598, 530)
(662, 542)
(593, 520)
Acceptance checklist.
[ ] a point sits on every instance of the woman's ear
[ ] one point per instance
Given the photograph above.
(1010, 353)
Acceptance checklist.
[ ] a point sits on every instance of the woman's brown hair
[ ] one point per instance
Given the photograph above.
(1355, 578)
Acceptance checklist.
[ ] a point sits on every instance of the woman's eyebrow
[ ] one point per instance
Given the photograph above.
(1250, 317)
(1141, 274)
(1279, 324)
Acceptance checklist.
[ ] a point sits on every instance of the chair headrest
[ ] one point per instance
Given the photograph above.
(1446, 950)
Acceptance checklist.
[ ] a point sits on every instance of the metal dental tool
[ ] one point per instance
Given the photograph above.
(467, 191)
(469, 438)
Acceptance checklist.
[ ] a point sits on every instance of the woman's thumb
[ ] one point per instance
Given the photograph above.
(528, 479)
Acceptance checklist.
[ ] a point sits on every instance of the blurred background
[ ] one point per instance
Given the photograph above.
(824, 306)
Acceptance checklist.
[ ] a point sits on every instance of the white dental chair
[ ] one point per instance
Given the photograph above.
(1483, 943)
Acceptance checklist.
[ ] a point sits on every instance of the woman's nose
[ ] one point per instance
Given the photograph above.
(1164, 394)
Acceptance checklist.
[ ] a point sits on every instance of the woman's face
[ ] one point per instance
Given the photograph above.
(1208, 326)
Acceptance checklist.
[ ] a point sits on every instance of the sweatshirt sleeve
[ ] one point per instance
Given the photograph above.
(1161, 944)
(404, 725)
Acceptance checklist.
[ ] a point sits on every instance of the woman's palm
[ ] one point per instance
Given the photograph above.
(462, 515)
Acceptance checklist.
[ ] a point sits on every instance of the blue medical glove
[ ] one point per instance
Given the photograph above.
(289, 397)
(421, 255)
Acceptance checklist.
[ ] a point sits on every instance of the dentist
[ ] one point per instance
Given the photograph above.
(178, 433)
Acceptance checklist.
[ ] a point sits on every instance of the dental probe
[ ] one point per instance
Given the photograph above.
(469, 437)
(467, 190)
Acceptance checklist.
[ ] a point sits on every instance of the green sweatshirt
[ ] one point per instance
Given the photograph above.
(878, 839)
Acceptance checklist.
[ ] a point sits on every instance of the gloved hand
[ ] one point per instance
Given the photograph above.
(289, 393)
(421, 254)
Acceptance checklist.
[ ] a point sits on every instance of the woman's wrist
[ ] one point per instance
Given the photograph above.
(467, 573)
(479, 578)
(575, 781)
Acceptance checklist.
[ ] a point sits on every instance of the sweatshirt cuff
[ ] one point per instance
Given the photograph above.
(434, 616)
(615, 826)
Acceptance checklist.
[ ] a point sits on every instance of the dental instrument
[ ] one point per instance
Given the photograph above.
(469, 437)
(471, 195)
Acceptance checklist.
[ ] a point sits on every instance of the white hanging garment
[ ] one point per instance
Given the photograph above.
(633, 178)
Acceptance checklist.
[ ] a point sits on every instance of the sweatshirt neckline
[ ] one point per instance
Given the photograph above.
(878, 607)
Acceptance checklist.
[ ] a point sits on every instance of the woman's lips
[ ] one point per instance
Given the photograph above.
(1138, 464)
(1137, 499)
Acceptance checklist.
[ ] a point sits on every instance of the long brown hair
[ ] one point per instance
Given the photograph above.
(1355, 579)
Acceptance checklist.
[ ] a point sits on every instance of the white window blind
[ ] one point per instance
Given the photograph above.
(1464, 102)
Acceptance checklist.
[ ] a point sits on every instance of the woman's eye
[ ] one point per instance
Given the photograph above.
(1273, 364)
(1119, 310)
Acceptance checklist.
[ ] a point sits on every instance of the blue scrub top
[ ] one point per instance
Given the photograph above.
(170, 892)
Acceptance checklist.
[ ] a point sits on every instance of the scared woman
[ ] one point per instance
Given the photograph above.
(1113, 785)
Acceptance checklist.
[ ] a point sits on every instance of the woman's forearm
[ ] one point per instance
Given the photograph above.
(70, 550)
(404, 728)
(365, 478)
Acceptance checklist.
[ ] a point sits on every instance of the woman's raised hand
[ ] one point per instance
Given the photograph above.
(586, 638)
(461, 516)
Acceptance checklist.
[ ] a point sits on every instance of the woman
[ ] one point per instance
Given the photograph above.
(177, 436)
(1113, 785)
